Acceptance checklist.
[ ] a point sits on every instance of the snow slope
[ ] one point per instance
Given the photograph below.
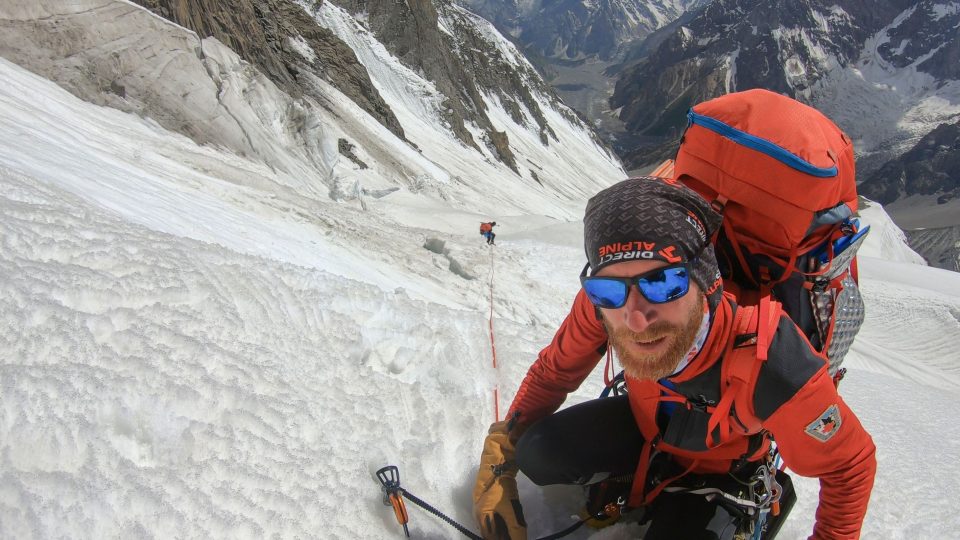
(188, 356)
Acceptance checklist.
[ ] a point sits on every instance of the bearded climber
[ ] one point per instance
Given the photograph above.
(652, 290)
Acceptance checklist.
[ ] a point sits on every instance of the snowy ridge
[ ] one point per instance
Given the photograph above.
(885, 241)
(572, 163)
(407, 92)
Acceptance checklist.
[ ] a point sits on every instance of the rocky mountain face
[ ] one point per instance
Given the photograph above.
(887, 72)
(574, 44)
(260, 31)
(730, 45)
(940, 246)
(444, 42)
(922, 188)
(121, 55)
(929, 36)
(457, 51)
(932, 167)
(319, 101)
(905, 83)
(868, 65)
(573, 29)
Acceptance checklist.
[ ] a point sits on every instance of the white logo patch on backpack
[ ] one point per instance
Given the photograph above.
(826, 425)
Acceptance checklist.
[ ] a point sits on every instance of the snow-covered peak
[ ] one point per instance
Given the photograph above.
(885, 240)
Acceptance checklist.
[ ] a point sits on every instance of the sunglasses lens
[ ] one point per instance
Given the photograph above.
(665, 285)
(605, 293)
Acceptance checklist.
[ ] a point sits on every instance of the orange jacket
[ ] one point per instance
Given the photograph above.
(795, 400)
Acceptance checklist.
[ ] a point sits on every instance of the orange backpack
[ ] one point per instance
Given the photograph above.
(782, 175)
(485, 228)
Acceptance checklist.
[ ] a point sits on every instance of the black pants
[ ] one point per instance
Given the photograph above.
(597, 439)
(582, 444)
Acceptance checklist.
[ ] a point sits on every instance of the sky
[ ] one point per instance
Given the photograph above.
(189, 356)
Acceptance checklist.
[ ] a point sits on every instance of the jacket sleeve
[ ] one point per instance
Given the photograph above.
(563, 365)
(819, 436)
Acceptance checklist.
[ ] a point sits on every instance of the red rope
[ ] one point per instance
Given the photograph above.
(493, 349)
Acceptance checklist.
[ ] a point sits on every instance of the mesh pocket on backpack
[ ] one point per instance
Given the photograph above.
(839, 313)
(848, 316)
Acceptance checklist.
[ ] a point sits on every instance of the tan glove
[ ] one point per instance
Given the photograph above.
(496, 503)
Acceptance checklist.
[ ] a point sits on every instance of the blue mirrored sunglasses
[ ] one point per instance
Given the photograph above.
(658, 286)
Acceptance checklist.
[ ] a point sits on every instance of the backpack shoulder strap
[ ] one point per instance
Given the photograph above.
(745, 354)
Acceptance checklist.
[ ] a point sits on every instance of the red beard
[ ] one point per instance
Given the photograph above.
(655, 366)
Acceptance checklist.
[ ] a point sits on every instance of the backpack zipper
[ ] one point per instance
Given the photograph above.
(763, 146)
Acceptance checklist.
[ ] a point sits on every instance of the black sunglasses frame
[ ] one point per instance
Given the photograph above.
(635, 280)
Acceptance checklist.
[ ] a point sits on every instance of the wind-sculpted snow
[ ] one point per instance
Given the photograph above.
(926, 354)
(158, 386)
(898, 288)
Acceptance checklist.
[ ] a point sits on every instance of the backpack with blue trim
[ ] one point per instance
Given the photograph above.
(782, 175)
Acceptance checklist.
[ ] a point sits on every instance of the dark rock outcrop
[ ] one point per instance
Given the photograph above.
(932, 167)
(411, 31)
(931, 26)
(260, 32)
(477, 66)
(939, 246)
(346, 148)
(732, 45)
